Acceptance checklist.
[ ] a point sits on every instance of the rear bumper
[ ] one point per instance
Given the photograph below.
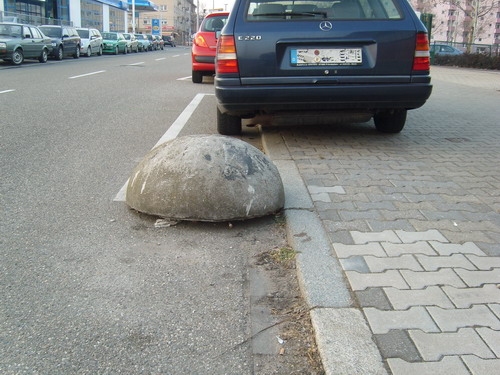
(203, 63)
(250, 100)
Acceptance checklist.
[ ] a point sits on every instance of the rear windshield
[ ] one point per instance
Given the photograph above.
(322, 9)
(215, 23)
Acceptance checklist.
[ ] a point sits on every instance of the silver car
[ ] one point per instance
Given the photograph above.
(91, 41)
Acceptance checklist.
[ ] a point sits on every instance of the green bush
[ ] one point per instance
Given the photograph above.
(469, 60)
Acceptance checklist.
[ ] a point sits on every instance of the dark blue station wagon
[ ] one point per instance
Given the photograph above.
(321, 61)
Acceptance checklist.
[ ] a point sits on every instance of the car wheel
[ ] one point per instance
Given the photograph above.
(196, 76)
(60, 53)
(17, 57)
(44, 56)
(390, 121)
(117, 50)
(227, 124)
(76, 55)
(99, 53)
(89, 51)
(125, 50)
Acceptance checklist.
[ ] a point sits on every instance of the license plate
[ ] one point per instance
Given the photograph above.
(322, 56)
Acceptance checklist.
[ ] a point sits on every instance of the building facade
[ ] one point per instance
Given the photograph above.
(176, 17)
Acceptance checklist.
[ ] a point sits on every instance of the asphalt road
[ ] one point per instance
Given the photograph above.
(88, 286)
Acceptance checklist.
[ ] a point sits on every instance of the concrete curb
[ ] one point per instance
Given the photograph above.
(342, 334)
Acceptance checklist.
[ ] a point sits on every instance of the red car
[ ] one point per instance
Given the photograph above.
(205, 44)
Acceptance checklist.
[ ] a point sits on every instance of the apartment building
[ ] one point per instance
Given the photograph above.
(463, 21)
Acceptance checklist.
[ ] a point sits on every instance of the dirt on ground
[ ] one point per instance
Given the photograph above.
(298, 353)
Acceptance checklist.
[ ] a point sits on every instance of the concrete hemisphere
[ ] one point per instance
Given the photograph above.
(206, 178)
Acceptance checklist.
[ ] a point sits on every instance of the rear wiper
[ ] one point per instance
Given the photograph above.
(281, 14)
(293, 14)
(307, 14)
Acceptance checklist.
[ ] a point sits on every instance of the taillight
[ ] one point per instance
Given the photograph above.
(226, 55)
(200, 41)
(422, 60)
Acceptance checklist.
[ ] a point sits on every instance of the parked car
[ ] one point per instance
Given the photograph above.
(65, 40)
(143, 42)
(114, 43)
(91, 41)
(168, 40)
(321, 60)
(204, 45)
(160, 42)
(444, 50)
(19, 42)
(153, 42)
(132, 43)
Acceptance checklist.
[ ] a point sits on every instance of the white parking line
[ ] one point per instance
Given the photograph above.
(161, 58)
(172, 132)
(137, 63)
(184, 78)
(87, 74)
(6, 91)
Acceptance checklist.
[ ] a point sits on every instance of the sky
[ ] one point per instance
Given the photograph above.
(224, 4)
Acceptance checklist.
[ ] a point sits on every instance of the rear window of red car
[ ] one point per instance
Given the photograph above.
(214, 23)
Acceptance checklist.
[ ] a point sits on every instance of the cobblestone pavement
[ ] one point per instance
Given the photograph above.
(414, 220)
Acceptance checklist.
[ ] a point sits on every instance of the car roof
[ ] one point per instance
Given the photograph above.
(217, 14)
(16, 24)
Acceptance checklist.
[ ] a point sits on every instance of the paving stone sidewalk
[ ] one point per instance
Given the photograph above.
(414, 221)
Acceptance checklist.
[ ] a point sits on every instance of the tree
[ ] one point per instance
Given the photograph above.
(475, 16)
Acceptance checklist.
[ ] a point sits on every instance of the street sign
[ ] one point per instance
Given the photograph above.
(156, 26)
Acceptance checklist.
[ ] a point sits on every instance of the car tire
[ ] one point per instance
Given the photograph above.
(196, 76)
(89, 51)
(59, 53)
(44, 56)
(125, 50)
(117, 50)
(227, 124)
(390, 121)
(17, 56)
(76, 55)
(99, 53)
